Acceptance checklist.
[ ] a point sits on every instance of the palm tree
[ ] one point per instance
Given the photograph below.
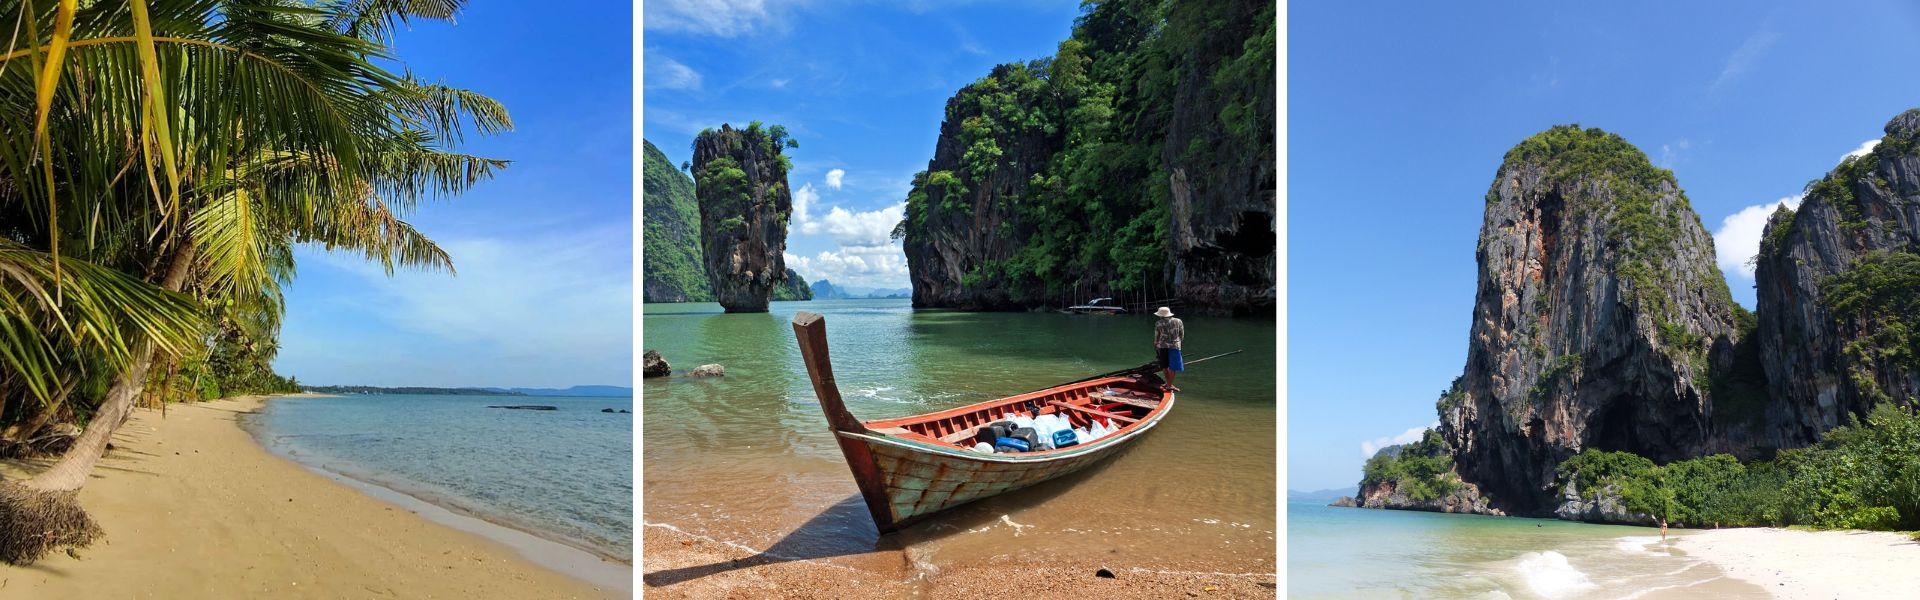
(181, 149)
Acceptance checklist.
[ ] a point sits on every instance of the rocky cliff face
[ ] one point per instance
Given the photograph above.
(670, 216)
(1837, 332)
(741, 179)
(1067, 179)
(1220, 171)
(967, 218)
(1598, 320)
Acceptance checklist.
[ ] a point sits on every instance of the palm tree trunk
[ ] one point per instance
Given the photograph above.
(24, 430)
(43, 513)
(71, 472)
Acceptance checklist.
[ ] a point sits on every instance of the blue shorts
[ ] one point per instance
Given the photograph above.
(1170, 360)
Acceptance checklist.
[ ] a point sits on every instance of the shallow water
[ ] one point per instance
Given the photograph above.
(566, 474)
(747, 458)
(1359, 553)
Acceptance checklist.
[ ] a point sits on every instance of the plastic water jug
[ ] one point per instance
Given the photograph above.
(1063, 438)
(1007, 444)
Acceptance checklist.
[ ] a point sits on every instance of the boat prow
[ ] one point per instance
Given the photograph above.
(911, 467)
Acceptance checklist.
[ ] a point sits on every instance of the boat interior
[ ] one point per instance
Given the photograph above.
(1119, 402)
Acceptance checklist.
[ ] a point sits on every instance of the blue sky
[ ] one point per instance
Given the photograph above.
(1401, 111)
(543, 295)
(862, 85)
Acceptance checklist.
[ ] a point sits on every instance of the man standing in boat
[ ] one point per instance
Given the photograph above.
(1166, 339)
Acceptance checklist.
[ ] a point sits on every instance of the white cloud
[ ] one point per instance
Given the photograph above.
(1738, 238)
(723, 18)
(542, 310)
(668, 74)
(849, 228)
(1865, 147)
(1369, 447)
(835, 177)
(1743, 58)
(803, 200)
(882, 265)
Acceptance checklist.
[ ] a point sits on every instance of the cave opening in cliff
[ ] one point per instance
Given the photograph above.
(1613, 429)
(1246, 246)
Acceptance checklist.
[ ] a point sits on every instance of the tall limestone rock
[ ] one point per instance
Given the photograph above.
(1839, 290)
(1599, 319)
(1137, 163)
(741, 179)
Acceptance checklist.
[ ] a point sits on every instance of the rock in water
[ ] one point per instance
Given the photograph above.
(653, 365)
(708, 371)
(1598, 319)
(741, 179)
(1837, 280)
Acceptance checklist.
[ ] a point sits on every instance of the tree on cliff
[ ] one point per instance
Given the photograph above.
(1139, 157)
(180, 149)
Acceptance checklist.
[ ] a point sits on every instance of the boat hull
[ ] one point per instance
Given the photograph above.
(918, 479)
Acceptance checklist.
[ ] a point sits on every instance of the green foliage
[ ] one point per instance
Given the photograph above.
(1069, 147)
(1861, 476)
(1599, 164)
(1422, 470)
(670, 235)
(793, 288)
(1879, 298)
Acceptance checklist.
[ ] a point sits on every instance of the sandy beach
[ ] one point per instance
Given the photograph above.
(1794, 564)
(193, 507)
(683, 565)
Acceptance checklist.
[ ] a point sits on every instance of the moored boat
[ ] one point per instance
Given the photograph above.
(910, 467)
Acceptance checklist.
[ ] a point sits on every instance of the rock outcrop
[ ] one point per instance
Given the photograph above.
(1053, 182)
(1464, 498)
(670, 234)
(1598, 321)
(708, 370)
(1603, 507)
(741, 179)
(1836, 335)
(654, 365)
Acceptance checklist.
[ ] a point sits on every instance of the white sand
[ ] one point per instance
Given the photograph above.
(1827, 565)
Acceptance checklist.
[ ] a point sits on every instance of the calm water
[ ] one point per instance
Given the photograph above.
(1360, 553)
(565, 474)
(747, 458)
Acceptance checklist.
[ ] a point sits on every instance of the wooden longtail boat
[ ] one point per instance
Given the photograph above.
(911, 467)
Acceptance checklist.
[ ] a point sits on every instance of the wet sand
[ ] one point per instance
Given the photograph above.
(1791, 563)
(683, 565)
(193, 507)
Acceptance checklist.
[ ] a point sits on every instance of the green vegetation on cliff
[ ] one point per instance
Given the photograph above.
(1422, 470)
(1880, 298)
(1861, 476)
(1089, 124)
(795, 288)
(1636, 225)
(671, 234)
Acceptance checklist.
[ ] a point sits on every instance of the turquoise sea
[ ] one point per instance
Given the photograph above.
(1337, 552)
(565, 475)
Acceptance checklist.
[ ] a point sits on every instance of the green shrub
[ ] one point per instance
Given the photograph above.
(1422, 470)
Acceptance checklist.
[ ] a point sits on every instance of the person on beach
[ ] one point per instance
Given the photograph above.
(1166, 340)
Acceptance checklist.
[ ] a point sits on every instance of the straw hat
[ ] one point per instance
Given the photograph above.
(1163, 312)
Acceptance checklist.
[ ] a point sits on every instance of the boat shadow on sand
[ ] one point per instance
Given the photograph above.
(829, 534)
